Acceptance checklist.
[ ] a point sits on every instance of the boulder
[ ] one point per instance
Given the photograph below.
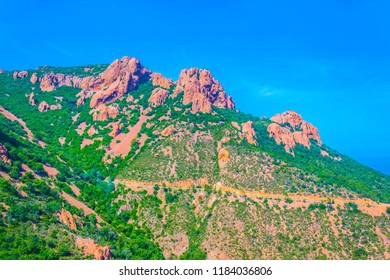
(158, 96)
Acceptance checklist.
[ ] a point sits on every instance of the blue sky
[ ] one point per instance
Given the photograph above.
(328, 60)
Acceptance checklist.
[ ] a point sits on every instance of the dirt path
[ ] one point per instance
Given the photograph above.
(366, 205)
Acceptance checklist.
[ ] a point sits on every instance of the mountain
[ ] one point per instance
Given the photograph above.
(119, 162)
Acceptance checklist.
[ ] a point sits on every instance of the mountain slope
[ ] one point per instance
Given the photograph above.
(149, 168)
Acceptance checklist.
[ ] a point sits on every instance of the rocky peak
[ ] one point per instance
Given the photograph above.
(291, 117)
(120, 77)
(159, 80)
(297, 131)
(202, 90)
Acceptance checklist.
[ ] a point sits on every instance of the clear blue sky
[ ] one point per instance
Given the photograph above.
(329, 60)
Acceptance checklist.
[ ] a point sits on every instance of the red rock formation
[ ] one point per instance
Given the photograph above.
(202, 90)
(4, 155)
(67, 219)
(103, 112)
(55, 107)
(236, 125)
(324, 153)
(119, 78)
(298, 124)
(158, 97)
(301, 138)
(116, 129)
(82, 96)
(282, 135)
(1, 71)
(91, 131)
(249, 132)
(291, 117)
(21, 74)
(311, 132)
(31, 99)
(167, 131)
(91, 248)
(34, 78)
(223, 157)
(159, 80)
(51, 81)
(43, 106)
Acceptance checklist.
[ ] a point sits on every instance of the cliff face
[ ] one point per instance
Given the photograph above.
(122, 76)
(91, 248)
(289, 128)
(126, 74)
(202, 90)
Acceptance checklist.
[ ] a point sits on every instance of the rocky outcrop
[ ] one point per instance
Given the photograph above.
(31, 99)
(116, 129)
(236, 125)
(122, 76)
(1, 71)
(52, 81)
(295, 121)
(282, 135)
(167, 131)
(159, 80)
(91, 248)
(325, 153)
(223, 157)
(249, 132)
(289, 128)
(103, 112)
(43, 107)
(67, 219)
(82, 97)
(21, 74)
(34, 78)
(158, 96)
(202, 90)
(4, 155)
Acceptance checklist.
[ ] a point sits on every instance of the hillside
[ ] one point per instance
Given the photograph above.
(118, 162)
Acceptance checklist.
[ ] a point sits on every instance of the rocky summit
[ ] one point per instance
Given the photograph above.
(114, 161)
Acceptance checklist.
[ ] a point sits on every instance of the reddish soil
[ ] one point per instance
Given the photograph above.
(73, 201)
(75, 117)
(12, 117)
(80, 129)
(89, 141)
(50, 170)
(121, 144)
(75, 189)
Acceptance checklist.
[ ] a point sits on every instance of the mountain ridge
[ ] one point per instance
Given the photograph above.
(129, 164)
